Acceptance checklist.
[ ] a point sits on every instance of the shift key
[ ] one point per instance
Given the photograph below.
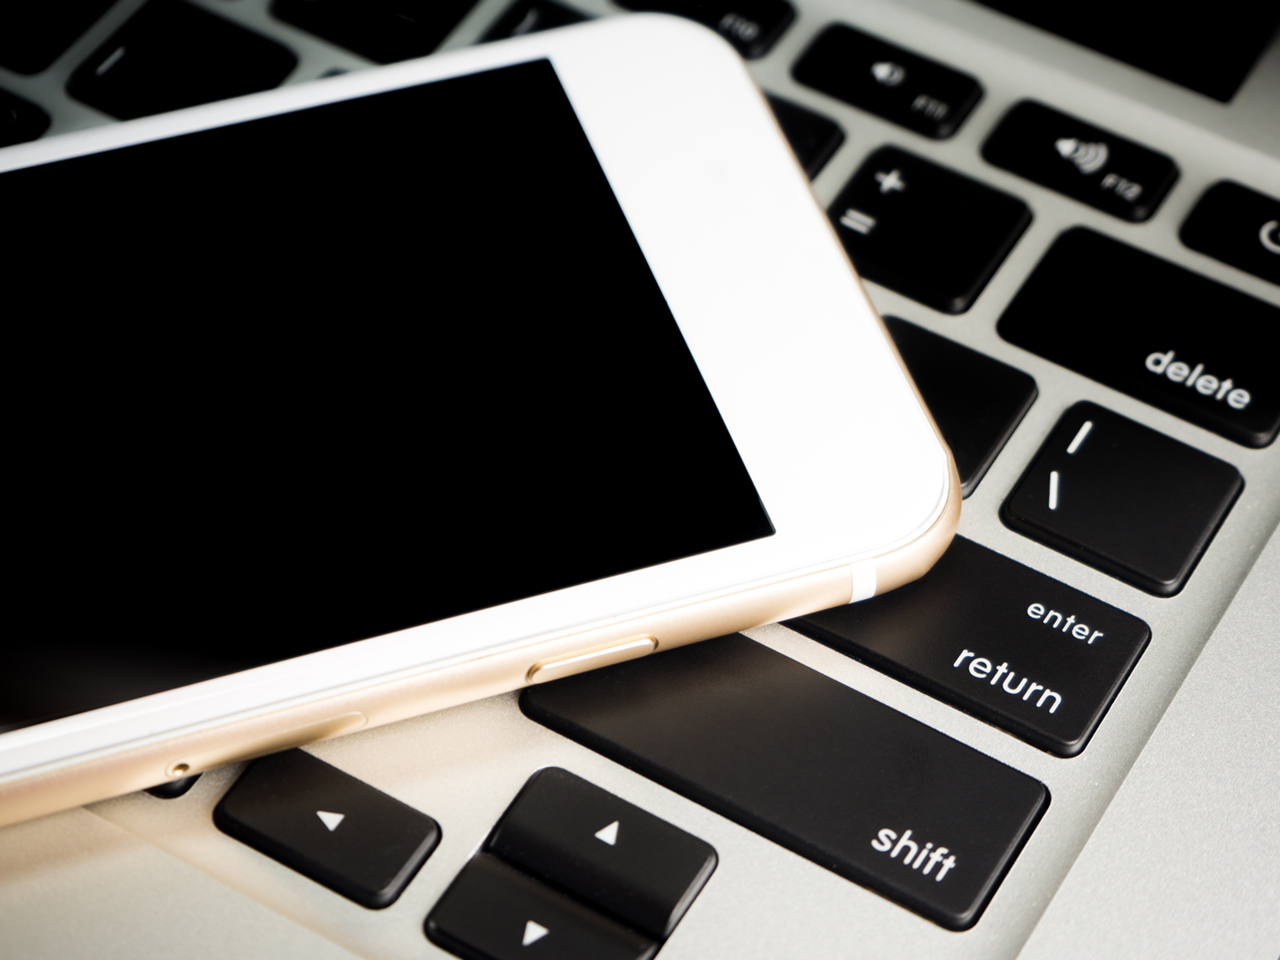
(999, 640)
(820, 769)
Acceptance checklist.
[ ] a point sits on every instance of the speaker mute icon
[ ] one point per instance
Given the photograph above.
(858, 221)
(1088, 157)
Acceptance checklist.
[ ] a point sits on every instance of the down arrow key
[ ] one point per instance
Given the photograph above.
(487, 909)
(533, 932)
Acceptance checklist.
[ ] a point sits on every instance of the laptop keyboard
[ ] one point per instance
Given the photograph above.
(895, 220)
(727, 721)
(171, 55)
(903, 88)
(1080, 265)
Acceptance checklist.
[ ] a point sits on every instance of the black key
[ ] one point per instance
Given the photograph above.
(976, 401)
(604, 851)
(173, 789)
(902, 87)
(1121, 497)
(813, 138)
(531, 16)
(1094, 166)
(495, 912)
(385, 31)
(328, 826)
(820, 769)
(752, 26)
(170, 55)
(34, 33)
(998, 640)
(1156, 331)
(20, 121)
(1210, 50)
(926, 231)
(1238, 226)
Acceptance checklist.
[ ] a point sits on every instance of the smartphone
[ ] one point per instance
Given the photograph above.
(357, 399)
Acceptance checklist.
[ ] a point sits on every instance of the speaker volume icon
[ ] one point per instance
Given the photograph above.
(1088, 157)
(888, 73)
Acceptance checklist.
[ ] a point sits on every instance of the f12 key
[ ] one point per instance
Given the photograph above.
(1094, 166)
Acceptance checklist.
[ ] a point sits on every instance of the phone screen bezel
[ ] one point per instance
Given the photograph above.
(824, 418)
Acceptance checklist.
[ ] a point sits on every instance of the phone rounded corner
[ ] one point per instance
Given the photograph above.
(673, 26)
(913, 560)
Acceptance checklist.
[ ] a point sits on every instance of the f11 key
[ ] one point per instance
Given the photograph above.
(900, 86)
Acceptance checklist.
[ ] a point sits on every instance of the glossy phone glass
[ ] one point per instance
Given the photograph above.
(297, 381)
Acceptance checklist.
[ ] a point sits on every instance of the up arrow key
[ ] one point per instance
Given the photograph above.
(330, 820)
(608, 834)
(533, 932)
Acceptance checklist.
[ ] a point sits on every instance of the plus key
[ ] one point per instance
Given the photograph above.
(926, 231)
(891, 181)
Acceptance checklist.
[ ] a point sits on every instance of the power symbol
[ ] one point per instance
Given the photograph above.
(1270, 235)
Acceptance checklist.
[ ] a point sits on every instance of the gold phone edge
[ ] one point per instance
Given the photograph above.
(124, 770)
(29, 794)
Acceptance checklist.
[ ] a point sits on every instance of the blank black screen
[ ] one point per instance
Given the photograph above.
(308, 379)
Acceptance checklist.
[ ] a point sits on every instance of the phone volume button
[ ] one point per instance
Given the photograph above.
(584, 660)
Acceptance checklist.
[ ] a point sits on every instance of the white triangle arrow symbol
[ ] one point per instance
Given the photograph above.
(608, 834)
(330, 820)
(533, 932)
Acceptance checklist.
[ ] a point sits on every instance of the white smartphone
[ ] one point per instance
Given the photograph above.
(361, 398)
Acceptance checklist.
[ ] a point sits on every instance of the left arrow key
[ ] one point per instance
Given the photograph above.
(290, 805)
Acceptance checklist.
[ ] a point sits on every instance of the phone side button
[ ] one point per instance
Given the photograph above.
(585, 660)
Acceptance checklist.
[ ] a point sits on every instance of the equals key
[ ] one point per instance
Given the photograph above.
(1123, 498)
